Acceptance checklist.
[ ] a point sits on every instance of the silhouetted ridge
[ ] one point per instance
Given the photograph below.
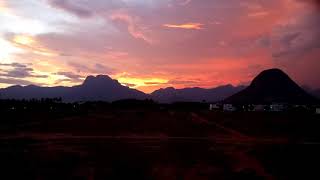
(99, 80)
(170, 94)
(94, 88)
(316, 93)
(272, 86)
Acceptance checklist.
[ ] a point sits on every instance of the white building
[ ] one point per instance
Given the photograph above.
(214, 107)
(229, 108)
(277, 108)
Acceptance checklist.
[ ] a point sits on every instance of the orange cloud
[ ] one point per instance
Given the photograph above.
(196, 26)
(258, 14)
(26, 42)
(23, 40)
(3, 7)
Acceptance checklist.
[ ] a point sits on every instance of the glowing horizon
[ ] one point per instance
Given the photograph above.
(153, 44)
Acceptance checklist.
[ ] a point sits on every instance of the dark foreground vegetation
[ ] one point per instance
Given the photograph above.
(129, 139)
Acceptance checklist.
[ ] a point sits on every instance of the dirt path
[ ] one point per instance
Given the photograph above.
(233, 133)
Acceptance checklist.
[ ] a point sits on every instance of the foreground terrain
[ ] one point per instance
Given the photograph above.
(156, 142)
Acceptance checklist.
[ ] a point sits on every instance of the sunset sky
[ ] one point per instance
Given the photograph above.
(150, 44)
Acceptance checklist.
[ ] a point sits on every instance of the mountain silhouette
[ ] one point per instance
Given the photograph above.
(169, 95)
(94, 88)
(272, 86)
(316, 93)
(268, 87)
(33, 92)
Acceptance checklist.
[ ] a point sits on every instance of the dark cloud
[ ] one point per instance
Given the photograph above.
(316, 3)
(80, 67)
(184, 82)
(95, 69)
(18, 65)
(296, 40)
(72, 7)
(18, 70)
(264, 41)
(288, 38)
(59, 81)
(72, 76)
(99, 68)
(14, 81)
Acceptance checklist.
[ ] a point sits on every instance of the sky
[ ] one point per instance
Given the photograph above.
(152, 44)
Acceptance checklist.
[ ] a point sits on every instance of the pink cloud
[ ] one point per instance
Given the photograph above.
(135, 29)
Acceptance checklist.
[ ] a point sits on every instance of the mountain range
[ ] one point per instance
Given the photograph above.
(269, 86)
(94, 88)
(169, 95)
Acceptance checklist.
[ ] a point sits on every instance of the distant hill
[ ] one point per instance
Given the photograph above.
(99, 88)
(270, 86)
(169, 95)
(314, 92)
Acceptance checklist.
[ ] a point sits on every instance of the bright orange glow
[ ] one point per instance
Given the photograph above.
(6, 50)
(139, 82)
(196, 26)
(146, 84)
(23, 40)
